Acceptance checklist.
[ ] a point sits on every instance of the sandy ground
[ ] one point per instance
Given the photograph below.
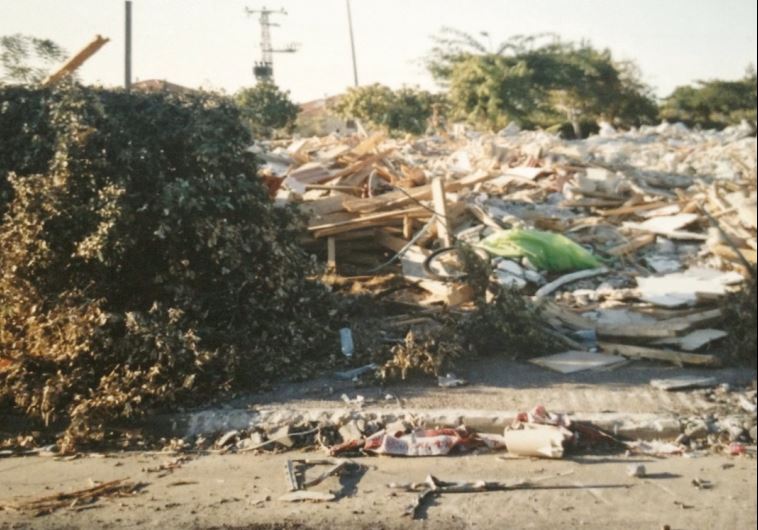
(592, 492)
(502, 384)
(241, 490)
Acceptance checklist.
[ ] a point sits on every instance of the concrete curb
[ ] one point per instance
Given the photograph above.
(637, 426)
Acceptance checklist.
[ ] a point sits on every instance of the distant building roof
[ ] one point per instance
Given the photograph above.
(153, 85)
(317, 106)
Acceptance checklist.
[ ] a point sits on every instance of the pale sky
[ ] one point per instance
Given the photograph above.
(213, 43)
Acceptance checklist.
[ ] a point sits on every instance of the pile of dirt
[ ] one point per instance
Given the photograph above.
(142, 263)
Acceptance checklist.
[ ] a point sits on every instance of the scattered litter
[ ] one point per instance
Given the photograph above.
(349, 375)
(423, 442)
(654, 448)
(76, 499)
(307, 495)
(359, 400)
(450, 381)
(433, 487)
(169, 467)
(544, 441)
(636, 470)
(346, 342)
(702, 484)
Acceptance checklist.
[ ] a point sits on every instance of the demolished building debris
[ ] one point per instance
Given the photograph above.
(662, 216)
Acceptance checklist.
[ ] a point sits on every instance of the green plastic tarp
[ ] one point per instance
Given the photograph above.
(545, 250)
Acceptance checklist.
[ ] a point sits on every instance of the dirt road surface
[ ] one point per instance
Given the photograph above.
(237, 491)
(241, 491)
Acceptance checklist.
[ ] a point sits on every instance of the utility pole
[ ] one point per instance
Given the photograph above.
(352, 42)
(264, 69)
(128, 45)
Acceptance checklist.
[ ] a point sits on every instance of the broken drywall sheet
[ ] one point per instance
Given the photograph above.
(694, 340)
(682, 288)
(577, 361)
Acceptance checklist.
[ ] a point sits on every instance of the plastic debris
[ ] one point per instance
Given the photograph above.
(545, 250)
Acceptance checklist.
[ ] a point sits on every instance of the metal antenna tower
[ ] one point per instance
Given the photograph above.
(263, 70)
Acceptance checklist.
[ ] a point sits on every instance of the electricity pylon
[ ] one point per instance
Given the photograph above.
(263, 70)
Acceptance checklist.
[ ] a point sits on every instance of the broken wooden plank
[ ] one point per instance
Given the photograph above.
(361, 164)
(291, 476)
(725, 252)
(308, 173)
(566, 316)
(323, 206)
(694, 340)
(398, 198)
(397, 244)
(632, 209)
(76, 61)
(359, 224)
(334, 470)
(50, 503)
(450, 294)
(368, 145)
(670, 226)
(675, 357)
(633, 245)
(440, 212)
(333, 153)
(663, 329)
(381, 216)
(591, 203)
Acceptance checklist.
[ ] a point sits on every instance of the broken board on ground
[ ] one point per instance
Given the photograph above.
(577, 361)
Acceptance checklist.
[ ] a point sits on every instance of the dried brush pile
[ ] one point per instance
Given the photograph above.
(142, 265)
(740, 314)
(499, 322)
(504, 322)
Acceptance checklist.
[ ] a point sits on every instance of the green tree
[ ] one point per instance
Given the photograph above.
(538, 80)
(492, 91)
(27, 59)
(713, 104)
(265, 108)
(406, 109)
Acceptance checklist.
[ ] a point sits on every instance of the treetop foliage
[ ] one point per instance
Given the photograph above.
(27, 59)
(265, 108)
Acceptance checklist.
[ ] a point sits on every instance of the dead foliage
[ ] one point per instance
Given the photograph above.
(75, 499)
(739, 321)
(504, 322)
(142, 263)
(426, 352)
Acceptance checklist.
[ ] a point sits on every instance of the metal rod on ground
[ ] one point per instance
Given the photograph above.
(128, 45)
(352, 43)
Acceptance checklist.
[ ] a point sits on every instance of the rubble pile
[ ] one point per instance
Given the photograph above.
(628, 241)
(142, 264)
(728, 426)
